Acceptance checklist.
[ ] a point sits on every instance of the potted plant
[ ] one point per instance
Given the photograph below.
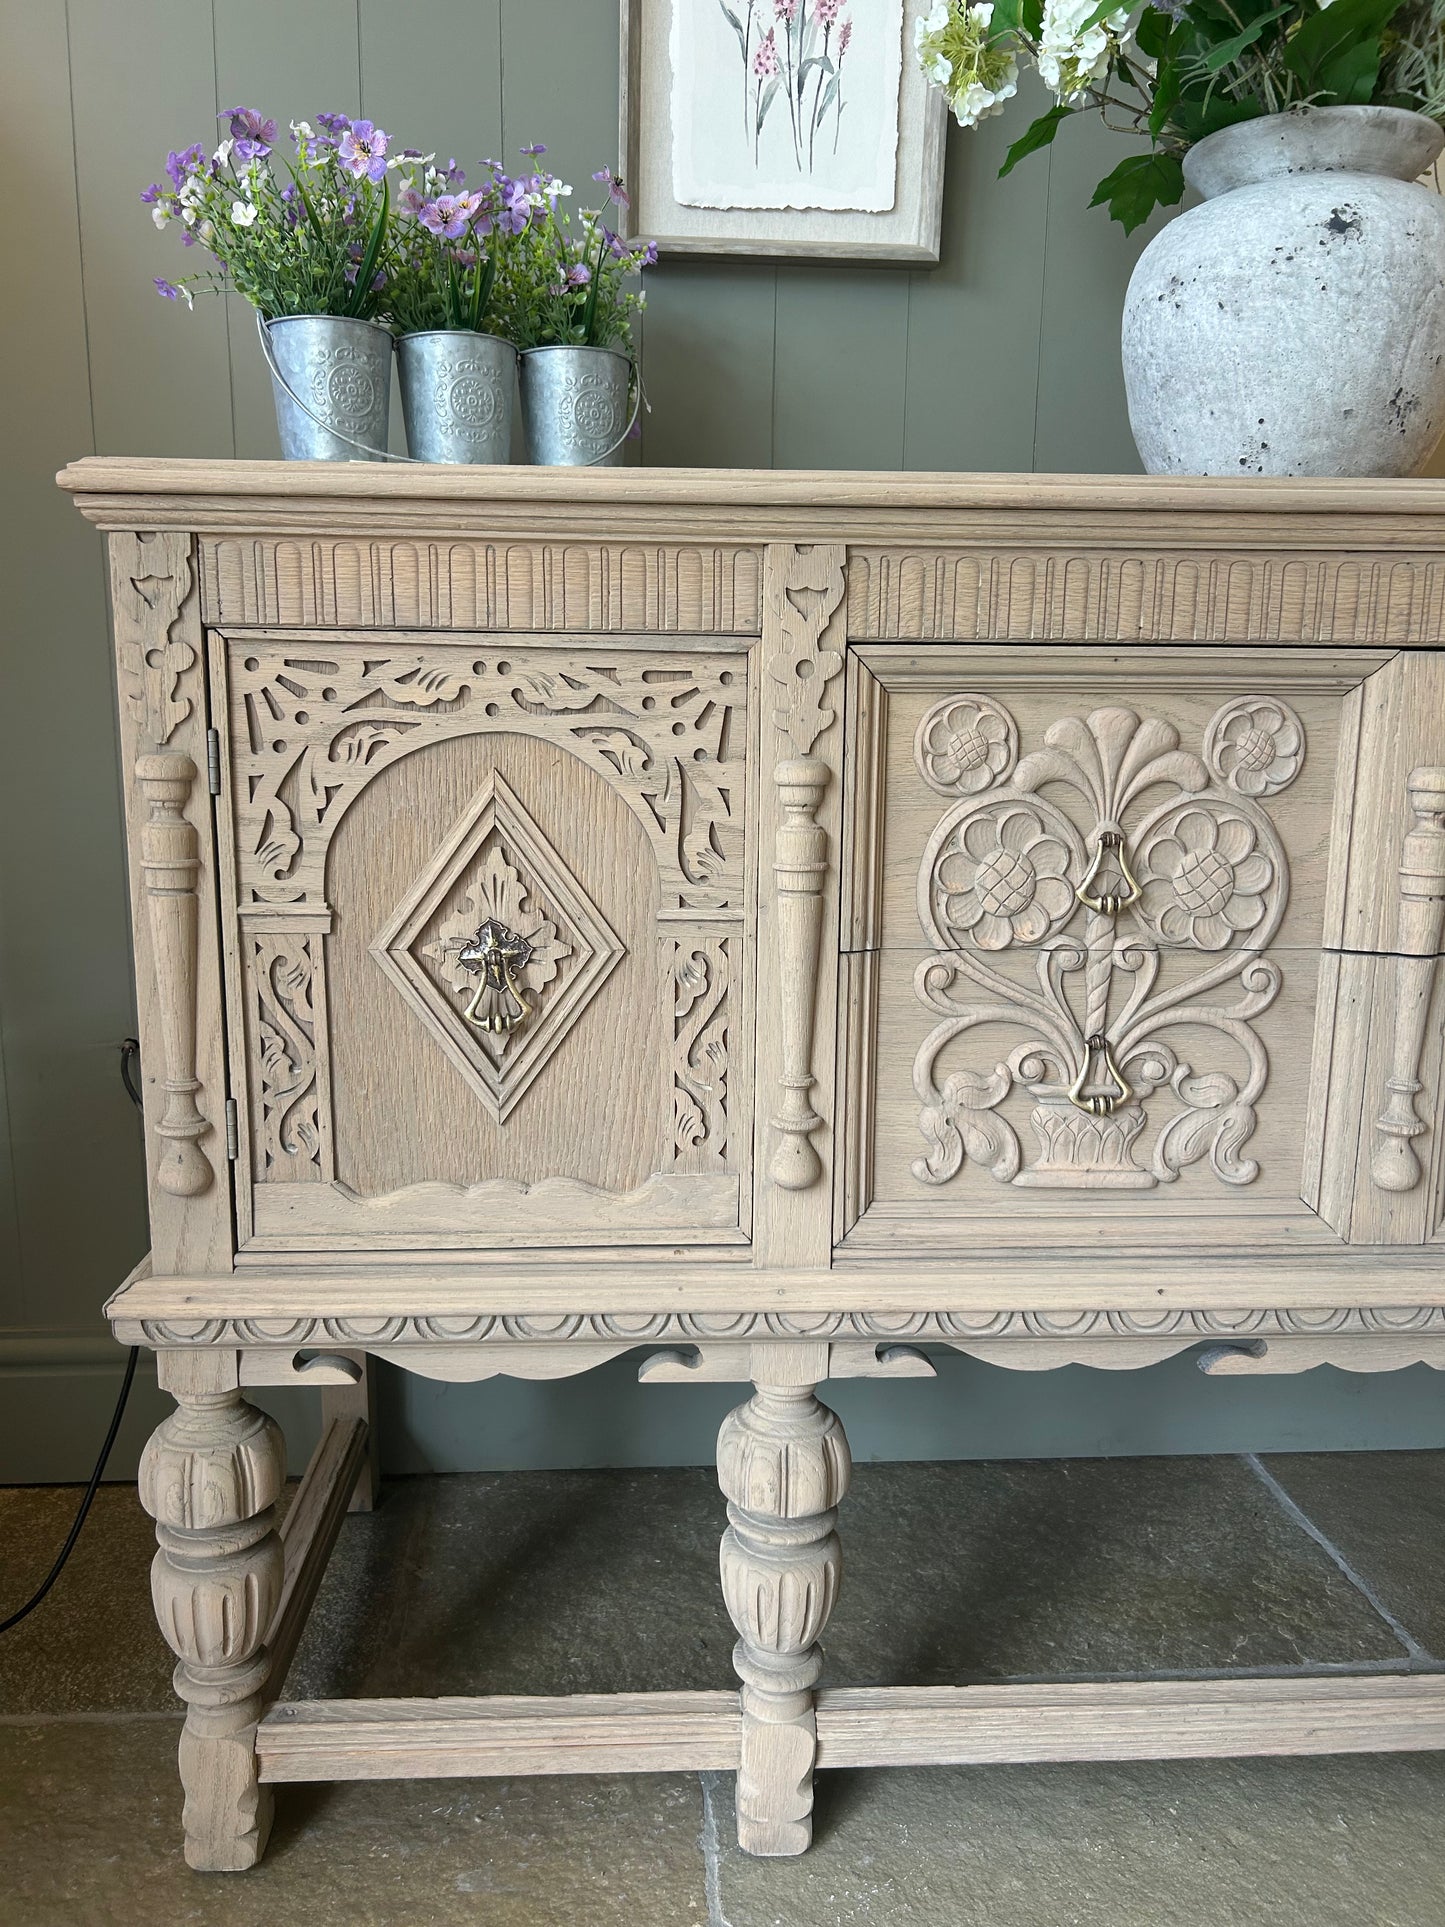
(457, 375)
(569, 310)
(1294, 324)
(307, 242)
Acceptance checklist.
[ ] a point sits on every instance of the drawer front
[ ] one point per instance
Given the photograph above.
(488, 954)
(1097, 908)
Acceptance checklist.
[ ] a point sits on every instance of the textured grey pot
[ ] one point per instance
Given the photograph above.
(456, 395)
(338, 374)
(1295, 323)
(575, 406)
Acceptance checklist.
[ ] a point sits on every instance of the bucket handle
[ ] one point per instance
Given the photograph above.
(379, 454)
(639, 402)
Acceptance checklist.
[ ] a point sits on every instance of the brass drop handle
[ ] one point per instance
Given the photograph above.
(1099, 1103)
(1108, 847)
(497, 954)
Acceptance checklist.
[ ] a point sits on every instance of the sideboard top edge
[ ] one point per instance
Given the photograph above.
(104, 484)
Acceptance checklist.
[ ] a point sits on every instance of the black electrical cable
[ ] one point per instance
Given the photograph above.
(129, 1051)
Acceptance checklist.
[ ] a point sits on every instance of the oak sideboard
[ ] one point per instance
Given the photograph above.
(783, 923)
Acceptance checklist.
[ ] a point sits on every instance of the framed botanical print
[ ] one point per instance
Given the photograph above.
(781, 127)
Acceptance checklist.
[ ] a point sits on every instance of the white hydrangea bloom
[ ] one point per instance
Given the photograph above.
(927, 27)
(977, 102)
(1070, 59)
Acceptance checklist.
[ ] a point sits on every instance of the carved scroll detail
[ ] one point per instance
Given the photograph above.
(805, 588)
(170, 864)
(701, 1017)
(151, 578)
(315, 726)
(284, 975)
(1395, 1165)
(1169, 857)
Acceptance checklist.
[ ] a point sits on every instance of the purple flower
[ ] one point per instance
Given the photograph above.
(151, 194)
(181, 166)
(450, 215)
(362, 150)
(252, 133)
(410, 200)
(647, 256)
(613, 183)
(534, 151)
(578, 275)
(455, 176)
(333, 125)
(168, 289)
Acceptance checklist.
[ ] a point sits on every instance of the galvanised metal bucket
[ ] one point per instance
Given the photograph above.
(331, 377)
(456, 395)
(575, 406)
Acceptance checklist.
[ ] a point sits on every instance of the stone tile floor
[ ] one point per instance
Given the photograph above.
(578, 1582)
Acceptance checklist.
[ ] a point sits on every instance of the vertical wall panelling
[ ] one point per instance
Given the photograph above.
(143, 80)
(840, 367)
(320, 73)
(973, 321)
(65, 987)
(1087, 263)
(709, 363)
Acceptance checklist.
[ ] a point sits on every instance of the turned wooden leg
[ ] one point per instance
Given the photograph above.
(209, 1479)
(783, 1464)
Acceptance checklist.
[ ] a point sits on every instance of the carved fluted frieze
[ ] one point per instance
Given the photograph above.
(1395, 1164)
(170, 865)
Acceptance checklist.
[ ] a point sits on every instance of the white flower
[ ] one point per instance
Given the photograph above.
(206, 232)
(223, 153)
(161, 213)
(243, 214)
(302, 130)
(977, 102)
(1072, 60)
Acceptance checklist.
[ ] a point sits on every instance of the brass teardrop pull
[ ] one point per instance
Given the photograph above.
(497, 954)
(1099, 1103)
(1108, 847)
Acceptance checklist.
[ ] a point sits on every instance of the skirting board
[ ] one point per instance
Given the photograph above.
(857, 1726)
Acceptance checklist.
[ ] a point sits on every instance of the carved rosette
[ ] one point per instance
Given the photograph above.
(1112, 863)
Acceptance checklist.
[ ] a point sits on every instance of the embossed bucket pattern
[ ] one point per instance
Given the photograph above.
(575, 406)
(338, 372)
(456, 395)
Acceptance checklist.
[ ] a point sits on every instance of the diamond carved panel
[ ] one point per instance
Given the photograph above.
(497, 877)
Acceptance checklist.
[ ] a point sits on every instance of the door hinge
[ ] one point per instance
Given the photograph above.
(233, 1130)
(213, 761)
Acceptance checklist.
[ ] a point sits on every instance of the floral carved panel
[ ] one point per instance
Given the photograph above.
(311, 726)
(291, 1118)
(1111, 896)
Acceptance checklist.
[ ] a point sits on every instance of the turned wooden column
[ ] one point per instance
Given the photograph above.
(209, 1478)
(783, 1465)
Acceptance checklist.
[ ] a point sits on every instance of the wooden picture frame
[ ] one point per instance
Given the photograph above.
(906, 232)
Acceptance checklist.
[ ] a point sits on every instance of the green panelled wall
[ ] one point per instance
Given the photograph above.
(1004, 357)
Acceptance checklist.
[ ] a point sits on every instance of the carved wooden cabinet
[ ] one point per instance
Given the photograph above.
(781, 922)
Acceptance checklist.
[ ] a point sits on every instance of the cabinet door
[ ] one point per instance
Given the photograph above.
(1098, 939)
(488, 956)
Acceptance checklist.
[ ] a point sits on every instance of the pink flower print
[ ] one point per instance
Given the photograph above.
(786, 11)
(825, 12)
(845, 34)
(765, 60)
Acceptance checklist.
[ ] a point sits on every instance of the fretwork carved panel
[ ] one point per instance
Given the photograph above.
(312, 725)
(1110, 897)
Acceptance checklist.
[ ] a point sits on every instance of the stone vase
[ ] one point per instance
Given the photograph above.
(1294, 324)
